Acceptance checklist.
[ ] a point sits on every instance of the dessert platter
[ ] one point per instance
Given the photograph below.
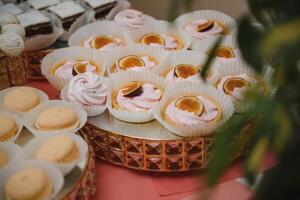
(129, 92)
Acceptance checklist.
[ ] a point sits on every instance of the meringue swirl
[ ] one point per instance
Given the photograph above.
(210, 113)
(130, 18)
(117, 43)
(145, 101)
(87, 89)
(66, 70)
(149, 65)
(192, 28)
(174, 79)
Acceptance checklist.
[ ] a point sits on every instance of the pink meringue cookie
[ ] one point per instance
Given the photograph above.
(149, 65)
(109, 47)
(145, 101)
(130, 18)
(174, 79)
(177, 115)
(87, 89)
(192, 28)
(66, 70)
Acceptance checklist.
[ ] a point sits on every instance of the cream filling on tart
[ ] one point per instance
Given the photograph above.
(203, 110)
(102, 43)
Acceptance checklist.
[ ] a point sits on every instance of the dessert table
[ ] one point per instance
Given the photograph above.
(114, 182)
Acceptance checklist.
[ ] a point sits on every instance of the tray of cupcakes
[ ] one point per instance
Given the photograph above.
(43, 153)
(138, 80)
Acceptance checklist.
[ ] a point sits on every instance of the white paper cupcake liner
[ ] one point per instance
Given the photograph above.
(92, 111)
(31, 117)
(109, 28)
(18, 121)
(163, 27)
(186, 88)
(135, 49)
(42, 95)
(68, 53)
(11, 150)
(118, 80)
(52, 172)
(29, 150)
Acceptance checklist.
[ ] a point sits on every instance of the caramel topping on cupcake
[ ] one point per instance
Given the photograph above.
(131, 61)
(151, 38)
(185, 70)
(205, 26)
(133, 89)
(100, 41)
(79, 68)
(190, 104)
(235, 82)
(225, 52)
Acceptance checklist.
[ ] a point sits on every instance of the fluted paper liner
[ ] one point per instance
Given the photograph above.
(31, 117)
(135, 49)
(11, 150)
(163, 27)
(69, 53)
(54, 175)
(18, 121)
(93, 110)
(108, 28)
(30, 149)
(121, 79)
(174, 92)
(42, 95)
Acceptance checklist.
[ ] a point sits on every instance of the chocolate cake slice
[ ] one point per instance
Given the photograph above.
(42, 4)
(67, 12)
(10, 8)
(35, 23)
(101, 7)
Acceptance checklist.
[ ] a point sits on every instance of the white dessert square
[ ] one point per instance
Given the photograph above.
(32, 17)
(98, 3)
(10, 8)
(41, 4)
(66, 9)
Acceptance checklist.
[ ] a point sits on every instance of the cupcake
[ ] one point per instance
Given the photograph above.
(89, 91)
(33, 180)
(183, 66)
(55, 116)
(135, 58)
(162, 34)
(61, 65)
(190, 109)
(203, 24)
(103, 36)
(134, 94)
(133, 19)
(65, 150)
(8, 153)
(22, 99)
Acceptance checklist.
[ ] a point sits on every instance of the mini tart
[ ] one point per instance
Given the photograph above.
(77, 69)
(130, 61)
(8, 128)
(21, 99)
(224, 52)
(3, 159)
(57, 118)
(234, 82)
(185, 70)
(100, 41)
(156, 38)
(60, 149)
(193, 105)
(28, 183)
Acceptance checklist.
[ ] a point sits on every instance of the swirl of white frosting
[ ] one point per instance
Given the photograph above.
(145, 101)
(192, 28)
(106, 48)
(170, 42)
(87, 89)
(174, 79)
(66, 70)
(149, 65)
(130, 18)
(238, 93)
(210, 112)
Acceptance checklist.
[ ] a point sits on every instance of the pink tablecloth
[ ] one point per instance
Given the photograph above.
(118, 183)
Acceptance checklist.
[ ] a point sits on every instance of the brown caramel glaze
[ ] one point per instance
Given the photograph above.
(190, 104)
(185, 70)
(133, 89)
(235, 82)
(152, 38)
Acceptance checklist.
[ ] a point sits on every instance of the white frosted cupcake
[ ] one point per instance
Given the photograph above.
(65, 150)
(135, 58)
(162, 34)
(190, 109)
(8, 153)
(133, 20)
(33, 178)
(184, 66)
(133, 95)
(103, 36)
(61, 65)
(89, 91)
